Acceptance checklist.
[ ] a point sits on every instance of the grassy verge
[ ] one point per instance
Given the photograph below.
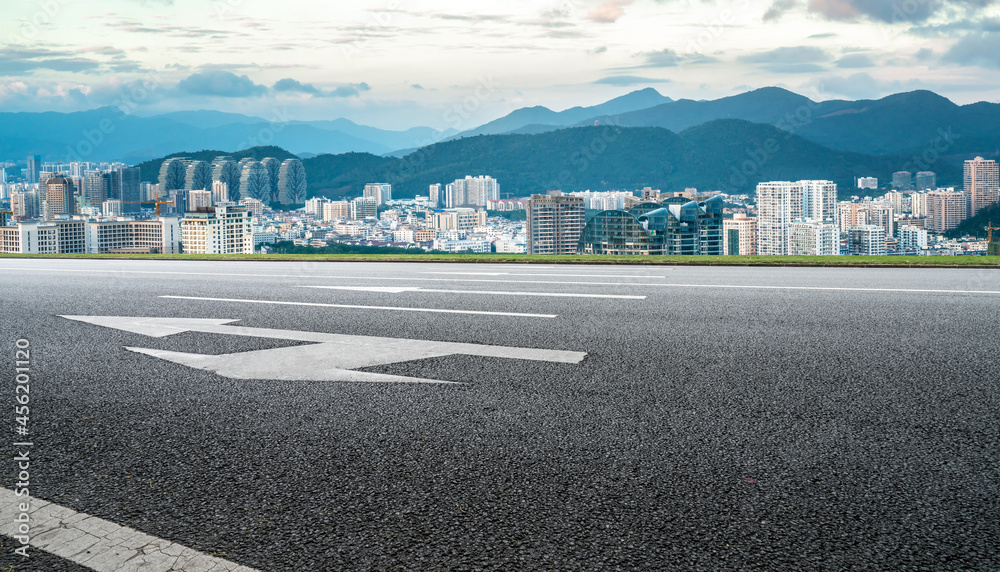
(850, 261)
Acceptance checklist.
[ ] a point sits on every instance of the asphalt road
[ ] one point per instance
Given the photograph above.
(733, 419)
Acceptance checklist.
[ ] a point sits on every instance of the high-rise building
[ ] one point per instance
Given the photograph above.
(381, 192)
(25, 204)
(273, 167)
(866, 240)
(926, 180)
(34, 168)
(95, 187)
(677, 226)
(333, 210)
(902, 180)
(59, 197)
(199, 199)
(739, 235)
(129, 181)
(866, 213)
(918, 204)
(982, 184)
(226, 171)
(912, 238)
(254, 182)
(946, 209)
(292, 184)
(867, 183)
(364, 207)
(218, 230)
(220, 192)
(173, 174)
(555, 223)
(111, 208)
(782, 203)
(198, 176)
(253, 206)
(813, 239)
(461, 219)
(434, 194)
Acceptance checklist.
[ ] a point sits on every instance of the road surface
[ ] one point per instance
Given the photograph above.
(514, 417)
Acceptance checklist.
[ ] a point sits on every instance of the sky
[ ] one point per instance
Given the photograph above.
(396, 64)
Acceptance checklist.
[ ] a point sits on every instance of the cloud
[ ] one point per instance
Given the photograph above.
(289, 85)
(855, 61)
(856, 86)
(598, 50)
(801, 59)
(220, 83)
(778, 9)
(417, 87)
(627, 80)
(670, 58)
(975, 50)
(893, 11)
(608, 12)
(25, 61)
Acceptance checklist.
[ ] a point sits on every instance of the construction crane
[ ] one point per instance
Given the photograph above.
(989, 229)
(157, 202)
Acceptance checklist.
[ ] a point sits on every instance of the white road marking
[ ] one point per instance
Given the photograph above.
(330, 357)
(357, 307)
(571, 283)
(548, 275)
(404, 289)
(100, 544)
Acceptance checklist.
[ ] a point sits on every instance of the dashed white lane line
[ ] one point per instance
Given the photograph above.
(357, 307)
(557, 275)
(99, 544)
(405, 289)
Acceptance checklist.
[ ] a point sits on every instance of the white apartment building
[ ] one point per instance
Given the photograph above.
(912, 238)
(982, 184)
(471, 191)
(780, 204)
(363, 208)
(199, 199)
(867, 183)
(218, 230)
(381, 192)
(866, 213)
(813, 239)
(477, 246)
(866, 240)
(161, 236)
(314, 206)
(463, 219)
(334, 210)
(253, 206)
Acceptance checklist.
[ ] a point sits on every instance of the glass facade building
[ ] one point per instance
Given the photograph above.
(676, 226)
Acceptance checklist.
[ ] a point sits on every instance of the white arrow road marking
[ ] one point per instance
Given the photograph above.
(330, 357)
(356, 307)
(402, 289)
(100, 544)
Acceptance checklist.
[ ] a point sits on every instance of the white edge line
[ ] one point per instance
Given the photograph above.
(99, 544)
(357, 307)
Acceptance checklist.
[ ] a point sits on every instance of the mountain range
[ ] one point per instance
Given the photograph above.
(725, 154)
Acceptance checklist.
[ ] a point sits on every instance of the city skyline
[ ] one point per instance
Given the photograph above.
(399, 65)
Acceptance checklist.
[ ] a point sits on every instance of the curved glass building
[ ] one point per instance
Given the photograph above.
(676, 226)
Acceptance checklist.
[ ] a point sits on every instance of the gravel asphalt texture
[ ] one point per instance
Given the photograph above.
(708, 428)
